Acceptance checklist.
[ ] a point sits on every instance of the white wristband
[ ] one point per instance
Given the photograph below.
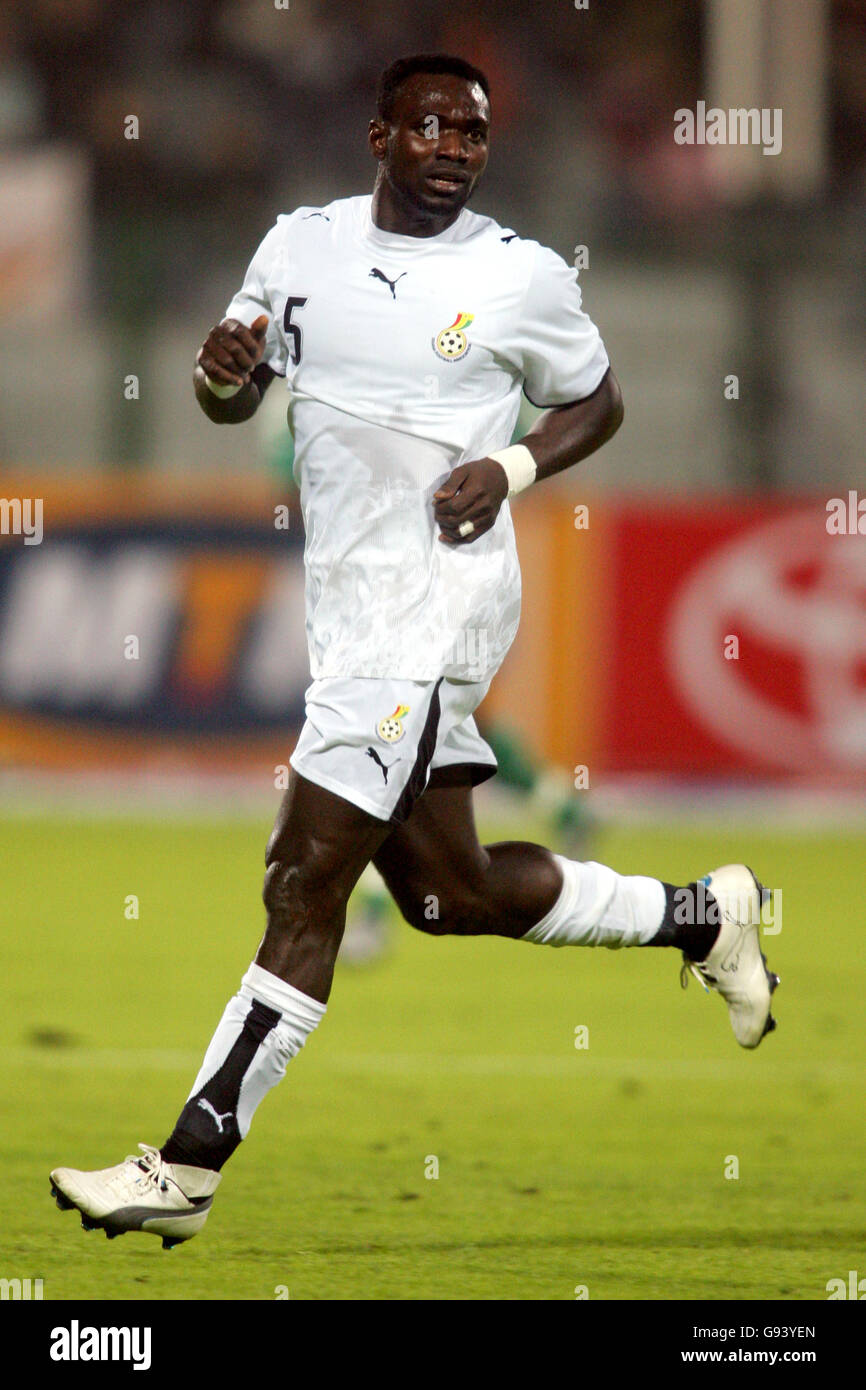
(221, 389)
(519, 465)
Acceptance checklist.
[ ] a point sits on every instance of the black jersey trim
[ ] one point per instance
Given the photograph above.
(561, 405)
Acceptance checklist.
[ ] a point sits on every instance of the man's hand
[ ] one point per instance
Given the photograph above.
(474, 492)
(231, 351)
(231, 355)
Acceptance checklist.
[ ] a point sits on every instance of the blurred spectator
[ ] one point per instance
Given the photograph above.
(848, 89)
(21, 104)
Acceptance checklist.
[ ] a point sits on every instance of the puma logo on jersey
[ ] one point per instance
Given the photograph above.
(386, 767)
(378, 274)
(218, 1119)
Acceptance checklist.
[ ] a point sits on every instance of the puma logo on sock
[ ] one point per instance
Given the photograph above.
(218, 1119)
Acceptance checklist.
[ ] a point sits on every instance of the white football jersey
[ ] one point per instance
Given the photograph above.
(404, 357)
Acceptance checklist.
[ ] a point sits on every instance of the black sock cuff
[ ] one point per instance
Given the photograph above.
(691, 920)
(175, 1151)
(667, 931)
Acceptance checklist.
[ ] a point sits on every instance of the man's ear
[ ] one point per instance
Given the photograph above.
(378, 137)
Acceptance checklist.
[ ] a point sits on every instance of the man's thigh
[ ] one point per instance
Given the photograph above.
(437, 850)
(324, 833)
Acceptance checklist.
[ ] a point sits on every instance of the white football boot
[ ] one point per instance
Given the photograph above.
(736, 967)
(139, 1194)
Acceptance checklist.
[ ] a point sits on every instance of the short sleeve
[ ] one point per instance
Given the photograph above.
(560, 349)
(254, 298)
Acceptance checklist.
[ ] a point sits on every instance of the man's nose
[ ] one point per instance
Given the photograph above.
(452, 145)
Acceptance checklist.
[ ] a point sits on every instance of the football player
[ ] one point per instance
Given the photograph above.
(404, 327)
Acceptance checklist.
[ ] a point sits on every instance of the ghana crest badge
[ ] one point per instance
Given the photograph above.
(451, 343)
(390, 730)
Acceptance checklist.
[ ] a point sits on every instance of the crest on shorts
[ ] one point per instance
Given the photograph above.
(390, 729)
(451, 342)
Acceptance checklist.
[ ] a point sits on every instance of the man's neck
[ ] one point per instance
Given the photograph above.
(393, 213)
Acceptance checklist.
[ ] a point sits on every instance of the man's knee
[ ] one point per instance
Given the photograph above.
(297, 889)
(459, 910)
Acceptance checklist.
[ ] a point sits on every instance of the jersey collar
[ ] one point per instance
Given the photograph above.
(394, 241)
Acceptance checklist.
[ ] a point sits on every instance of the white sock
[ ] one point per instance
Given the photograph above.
(598, 907)
(299, 1015)
(263, 1027)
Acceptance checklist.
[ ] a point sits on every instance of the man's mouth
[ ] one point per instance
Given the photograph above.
(446, 181)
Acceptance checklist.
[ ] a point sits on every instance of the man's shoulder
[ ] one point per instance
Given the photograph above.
(303, 231)
(505, 249)
(533, 261)
(312, 219)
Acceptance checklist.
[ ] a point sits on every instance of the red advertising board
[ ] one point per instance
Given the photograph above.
(738, 642)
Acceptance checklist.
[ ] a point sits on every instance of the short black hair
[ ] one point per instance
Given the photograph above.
(393, 77)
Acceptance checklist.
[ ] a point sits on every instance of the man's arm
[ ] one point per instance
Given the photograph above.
(560, 438)
(566, 434)
(231, 357)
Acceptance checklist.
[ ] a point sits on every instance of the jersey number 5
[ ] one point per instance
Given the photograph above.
(293, 329)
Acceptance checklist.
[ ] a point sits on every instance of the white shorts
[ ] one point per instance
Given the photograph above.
(377, 742)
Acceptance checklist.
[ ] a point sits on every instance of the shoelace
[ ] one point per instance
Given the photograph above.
(703, 977)
(693, 967)
(151, 1165)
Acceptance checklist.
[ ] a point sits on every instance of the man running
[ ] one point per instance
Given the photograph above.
(406, 328)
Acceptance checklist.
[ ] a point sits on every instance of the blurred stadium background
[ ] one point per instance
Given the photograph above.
(729, 288)
(707, 513)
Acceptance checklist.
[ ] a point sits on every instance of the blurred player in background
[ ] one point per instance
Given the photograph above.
(406, 328)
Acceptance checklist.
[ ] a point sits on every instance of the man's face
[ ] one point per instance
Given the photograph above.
(434, 150)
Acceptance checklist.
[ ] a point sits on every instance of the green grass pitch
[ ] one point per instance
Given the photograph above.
(558, 1167)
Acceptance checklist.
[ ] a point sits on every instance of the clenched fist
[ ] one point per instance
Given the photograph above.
(231, 351)
(467, 504)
